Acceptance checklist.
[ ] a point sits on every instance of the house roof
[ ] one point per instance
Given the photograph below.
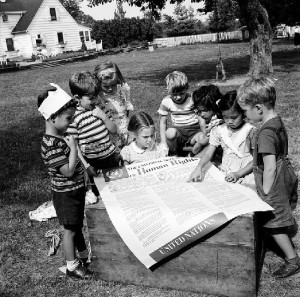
(29, 6)
(11, 6)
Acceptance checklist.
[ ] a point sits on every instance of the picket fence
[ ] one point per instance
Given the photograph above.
(202, 38)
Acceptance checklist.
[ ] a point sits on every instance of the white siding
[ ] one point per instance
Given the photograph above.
(42, 24)
(6, 29)
(23, 43)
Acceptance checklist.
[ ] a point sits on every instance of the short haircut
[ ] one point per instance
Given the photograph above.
(229, 101)
(257, 91)
(138, 121)
(108, 65)
(176, 82)
(84, 83)
(207, 96)
(71, 104)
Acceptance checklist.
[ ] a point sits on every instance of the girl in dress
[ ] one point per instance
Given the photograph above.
(114, 98)
(144, 147)
(236, 138)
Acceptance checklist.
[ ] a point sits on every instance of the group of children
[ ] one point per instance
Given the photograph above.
(92, 130)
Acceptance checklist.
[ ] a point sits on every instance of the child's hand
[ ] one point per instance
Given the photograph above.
(196, 175)
(232, 177)
(99, 113)
(92, 171)
(70, 141)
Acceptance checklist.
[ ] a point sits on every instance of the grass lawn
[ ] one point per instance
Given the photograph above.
(25, 269)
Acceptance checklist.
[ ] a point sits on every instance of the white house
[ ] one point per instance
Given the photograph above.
(26, 26)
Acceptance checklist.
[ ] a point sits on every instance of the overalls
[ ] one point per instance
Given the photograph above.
(283, 193)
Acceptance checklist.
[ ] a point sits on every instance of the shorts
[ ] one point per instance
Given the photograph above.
(69, 206)
(114, 160)
(186, 133)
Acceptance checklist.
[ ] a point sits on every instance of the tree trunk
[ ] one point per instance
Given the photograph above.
(260, 33)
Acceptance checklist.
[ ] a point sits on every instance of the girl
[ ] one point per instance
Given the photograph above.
(209, 115)
(143, 147)
(114, 99)
(236, 138)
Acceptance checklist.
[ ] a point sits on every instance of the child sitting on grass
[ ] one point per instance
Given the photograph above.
(67, 179)
(236, 138)
(209, 115)
(180, 106)
(275, 179)
(144, 147)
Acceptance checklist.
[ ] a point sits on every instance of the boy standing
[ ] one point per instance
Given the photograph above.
(91, 126)
(67, 181)
(275, 179)
(179, 105)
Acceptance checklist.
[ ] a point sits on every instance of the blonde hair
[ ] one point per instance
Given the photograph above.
(257, 91)
(176, 82)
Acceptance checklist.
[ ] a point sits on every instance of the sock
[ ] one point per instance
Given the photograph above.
(83, 254)
(71, 265)
(294, 260)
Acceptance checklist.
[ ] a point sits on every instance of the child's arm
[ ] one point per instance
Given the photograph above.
(197, 173)
(163, 128)
(269, 171)
(234, 176)
(110, 125)
(202, 124)
(69, 168)
(90, 169)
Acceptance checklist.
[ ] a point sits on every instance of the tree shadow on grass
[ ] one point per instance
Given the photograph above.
(206, 70)
(22, 172)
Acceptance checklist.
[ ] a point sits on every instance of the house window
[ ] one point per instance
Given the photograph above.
(81, 35)
(10, 44)
(60, 38)
(4, 18)
(87, 36)
(53, 14)
(39, 40)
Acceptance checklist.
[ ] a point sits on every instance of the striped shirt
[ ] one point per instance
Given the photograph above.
(55, 153)
(92, 135)
(181, 114)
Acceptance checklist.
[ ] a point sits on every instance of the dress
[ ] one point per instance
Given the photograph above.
(133, 154)
(236, 146)
(117, 106)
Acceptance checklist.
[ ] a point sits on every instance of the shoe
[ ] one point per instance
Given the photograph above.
(84, 262)
(80, 272)
(287, 269)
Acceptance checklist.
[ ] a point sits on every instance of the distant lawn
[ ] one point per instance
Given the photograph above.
(25, 270)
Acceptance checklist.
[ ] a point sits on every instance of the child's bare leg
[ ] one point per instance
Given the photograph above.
(199, 141)
(292, 260)
(285, 244)
(171, 135)
(68, 244)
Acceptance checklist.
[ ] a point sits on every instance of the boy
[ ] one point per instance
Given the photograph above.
(180, 106)
(275, 179)
(91, 126)
(67, 182)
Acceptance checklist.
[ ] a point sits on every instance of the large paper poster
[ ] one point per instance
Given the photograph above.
(157, 212)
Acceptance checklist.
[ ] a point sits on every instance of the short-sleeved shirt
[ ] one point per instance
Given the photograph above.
(133, 154)
(181, 114)
(55, 153)
(93, 137)
(267, 141)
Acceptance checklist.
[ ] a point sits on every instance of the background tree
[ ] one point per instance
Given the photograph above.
(74, 10)
(119, 12)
